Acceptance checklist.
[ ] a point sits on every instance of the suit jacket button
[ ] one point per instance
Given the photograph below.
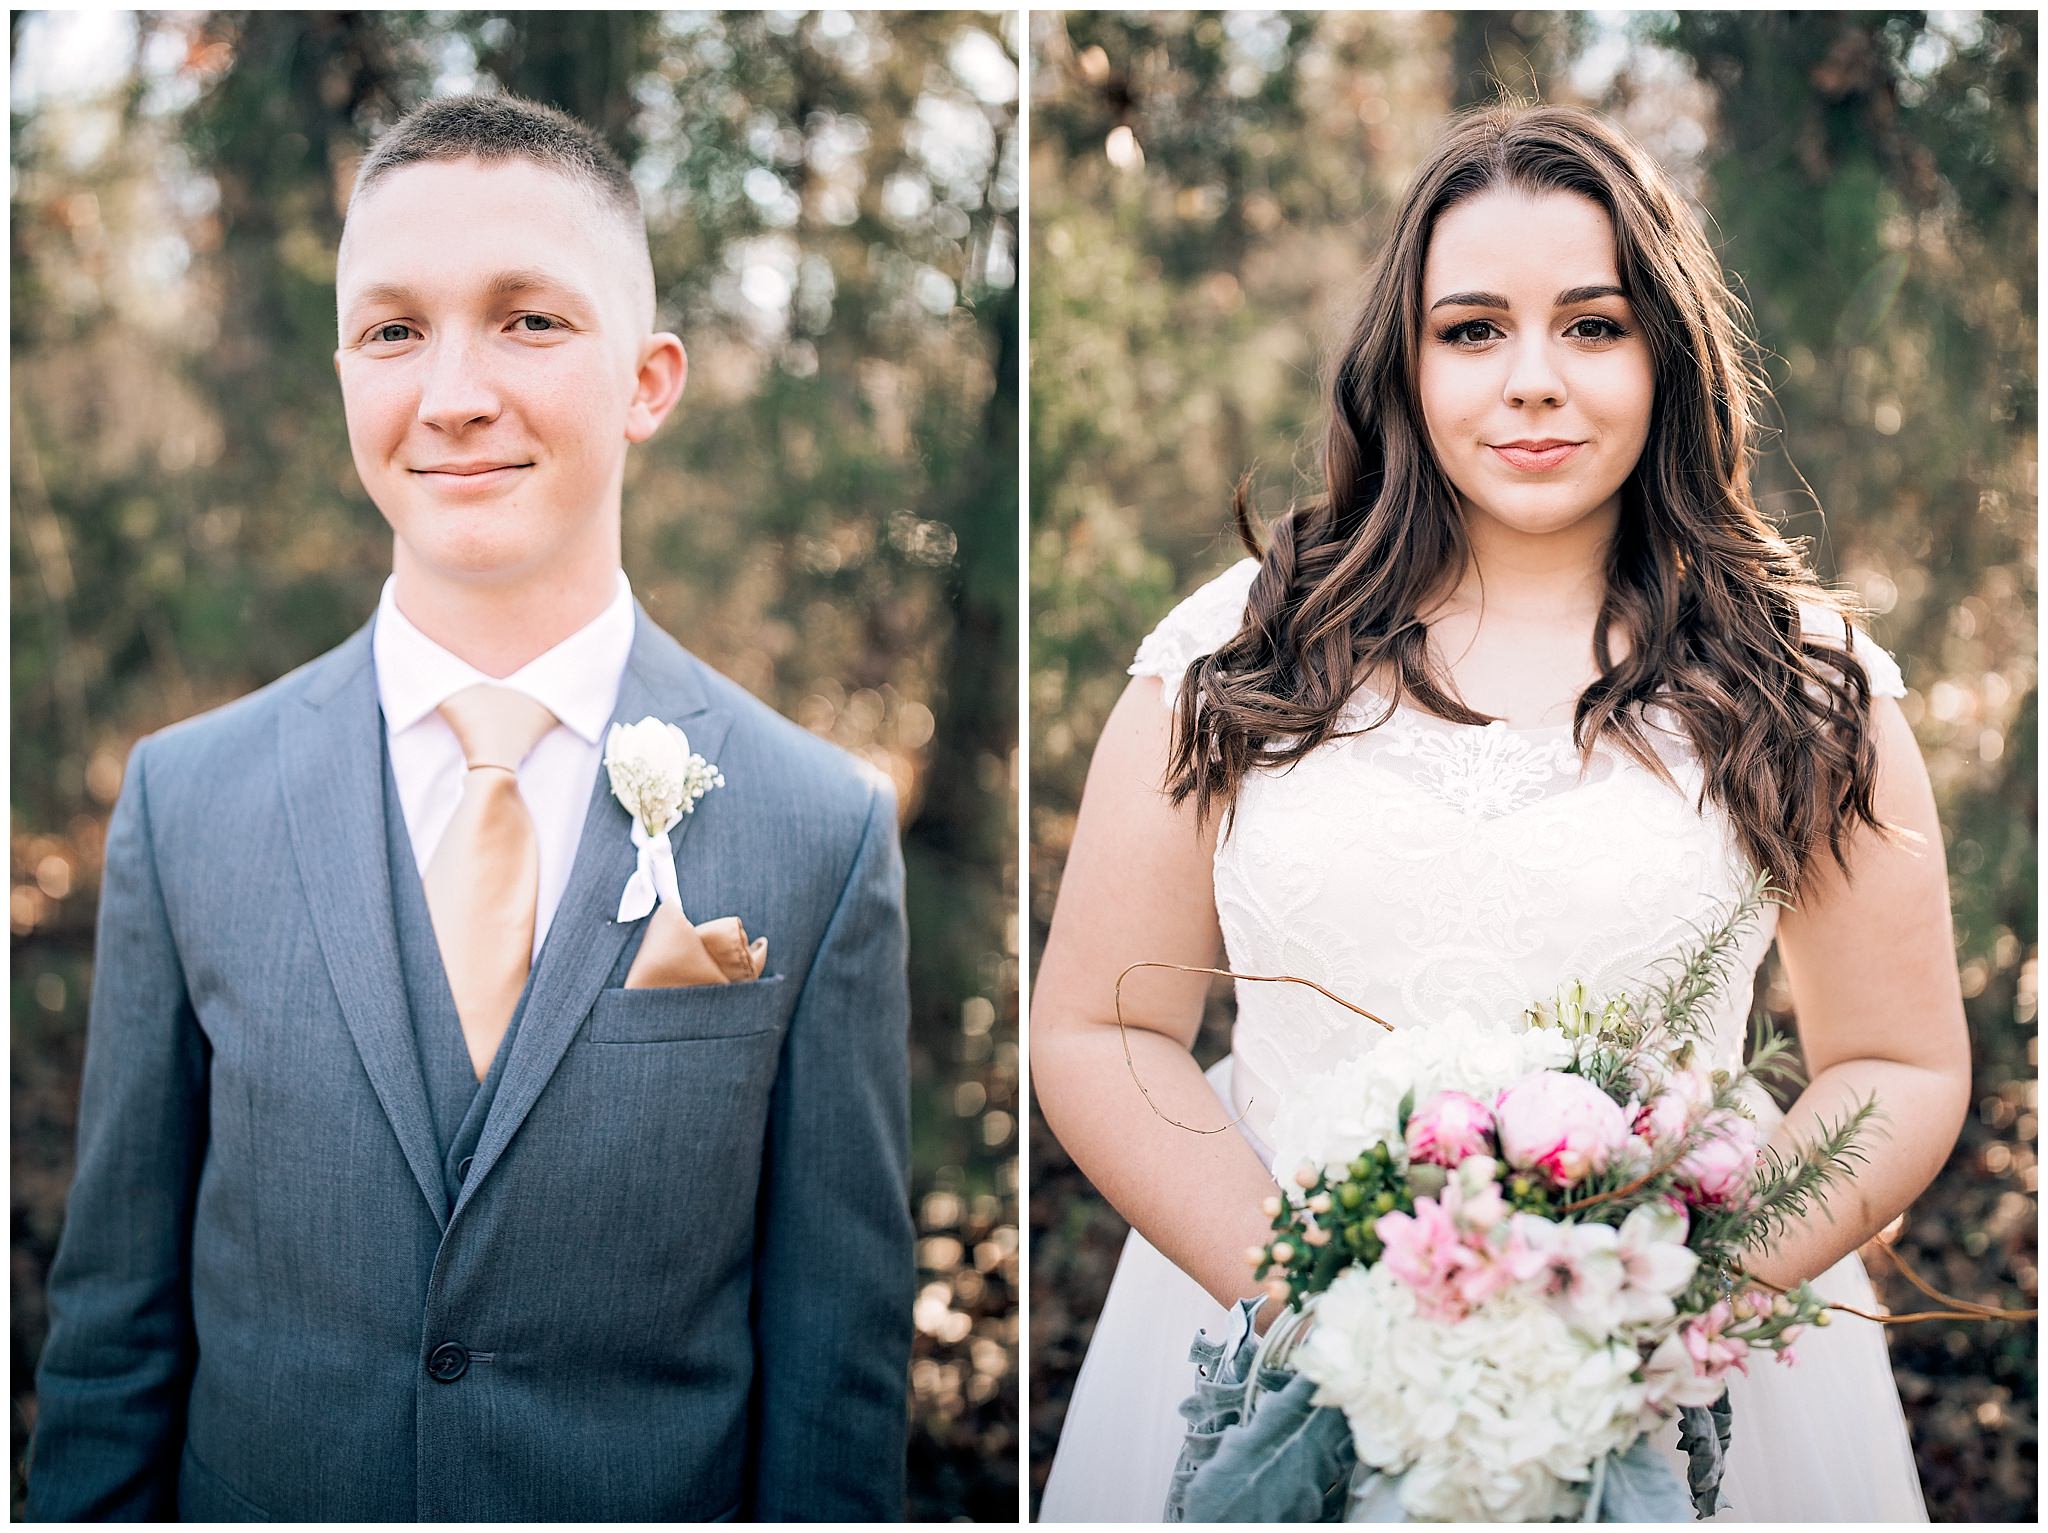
(462, 1171)
(448, 1363)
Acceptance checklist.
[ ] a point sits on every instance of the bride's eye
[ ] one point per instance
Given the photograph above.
(1468, 333)
(1602, 329)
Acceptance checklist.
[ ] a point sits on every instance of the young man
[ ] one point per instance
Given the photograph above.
(450, 1148)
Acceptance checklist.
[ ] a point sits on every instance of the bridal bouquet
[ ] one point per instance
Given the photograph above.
(1510, 1251)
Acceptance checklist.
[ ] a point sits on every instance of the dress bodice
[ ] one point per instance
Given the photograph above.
(1425, 868)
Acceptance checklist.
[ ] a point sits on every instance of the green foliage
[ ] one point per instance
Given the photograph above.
(1681, 1003)
(1331, 1226)
(1790, 1187)
(1703, 1435)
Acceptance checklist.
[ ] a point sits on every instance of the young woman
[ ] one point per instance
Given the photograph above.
(1526, 694)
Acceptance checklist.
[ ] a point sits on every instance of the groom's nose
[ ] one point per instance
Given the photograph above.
(456, 389)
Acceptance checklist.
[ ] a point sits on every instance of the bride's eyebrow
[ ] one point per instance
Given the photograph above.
(1565, 300)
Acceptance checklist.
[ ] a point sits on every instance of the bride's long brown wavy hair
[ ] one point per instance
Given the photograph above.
(1703, 584)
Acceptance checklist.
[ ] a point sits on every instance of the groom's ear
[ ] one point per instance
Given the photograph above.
(658, 384)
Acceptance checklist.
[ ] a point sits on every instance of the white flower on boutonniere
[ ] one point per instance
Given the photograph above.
(659, 779)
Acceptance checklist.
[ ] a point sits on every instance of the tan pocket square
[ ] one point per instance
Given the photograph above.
(674, 952)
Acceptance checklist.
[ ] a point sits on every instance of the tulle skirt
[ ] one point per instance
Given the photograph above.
(1822, 1441)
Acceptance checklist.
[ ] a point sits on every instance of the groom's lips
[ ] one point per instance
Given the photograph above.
(461, 478)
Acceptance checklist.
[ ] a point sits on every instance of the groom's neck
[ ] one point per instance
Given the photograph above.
(498, 624)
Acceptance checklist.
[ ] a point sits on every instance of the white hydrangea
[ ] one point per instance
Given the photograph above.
(1330, 1118)
(1498, 1417)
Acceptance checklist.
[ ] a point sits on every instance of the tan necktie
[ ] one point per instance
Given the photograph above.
(484, 877)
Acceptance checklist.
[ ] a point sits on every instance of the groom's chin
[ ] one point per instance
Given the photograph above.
(474, 545)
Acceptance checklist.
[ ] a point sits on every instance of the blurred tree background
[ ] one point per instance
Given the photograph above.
(1207, 192)
(830, 517)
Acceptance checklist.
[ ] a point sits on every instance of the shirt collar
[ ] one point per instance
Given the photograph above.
(577, 680)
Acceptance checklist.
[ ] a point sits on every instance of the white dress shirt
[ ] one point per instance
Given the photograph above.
(577, 681)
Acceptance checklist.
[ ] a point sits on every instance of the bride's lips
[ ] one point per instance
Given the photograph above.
(1534, 459)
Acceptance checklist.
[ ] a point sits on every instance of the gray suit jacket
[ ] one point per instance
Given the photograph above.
(676, 1283)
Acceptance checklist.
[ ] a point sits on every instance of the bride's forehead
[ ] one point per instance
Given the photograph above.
(1505, 237)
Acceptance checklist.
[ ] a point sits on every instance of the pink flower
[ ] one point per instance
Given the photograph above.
(1448, 1128)
(1689, 1367)
(1786, 1338)
(1524, 1250)
(1718, 1169)
(1755, 1302)
(1473, 1196)
(1424, 1250)
(1684, 1095)
(1480, 1279)
(1561, 1125)
(1441, 1250)
(1712, 1350)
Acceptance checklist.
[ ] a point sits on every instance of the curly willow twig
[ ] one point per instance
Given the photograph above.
(1131, 1064)
(1988, 1311)
(1960, 1309)
(1635, 1186)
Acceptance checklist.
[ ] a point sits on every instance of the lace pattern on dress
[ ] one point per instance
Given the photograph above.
(1422, 868)
(1885, 680)
(1201, 624)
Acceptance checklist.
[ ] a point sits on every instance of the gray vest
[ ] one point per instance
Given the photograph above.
(458, 1102)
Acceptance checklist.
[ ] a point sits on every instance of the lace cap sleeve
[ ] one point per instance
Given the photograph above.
(1202, 623)
(1823, 623)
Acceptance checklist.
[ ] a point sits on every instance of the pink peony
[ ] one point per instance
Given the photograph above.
(1718, 1169)
(1684, 1095)
(1449, 1127)
(1561, 1125)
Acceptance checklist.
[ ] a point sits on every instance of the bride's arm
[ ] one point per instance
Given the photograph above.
(1137, 887)
(1872, 965)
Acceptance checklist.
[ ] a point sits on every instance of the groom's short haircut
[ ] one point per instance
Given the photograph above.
(504, 127)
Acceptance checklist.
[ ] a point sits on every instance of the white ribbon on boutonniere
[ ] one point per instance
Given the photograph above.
(659, 779)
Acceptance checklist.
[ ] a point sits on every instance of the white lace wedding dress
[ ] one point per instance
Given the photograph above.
(1425, 868)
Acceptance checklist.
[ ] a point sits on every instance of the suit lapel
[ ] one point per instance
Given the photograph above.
(584, 941)
(330, 747)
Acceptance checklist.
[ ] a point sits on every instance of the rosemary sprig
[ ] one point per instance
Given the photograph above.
(1788, 1185)
(1703, 971)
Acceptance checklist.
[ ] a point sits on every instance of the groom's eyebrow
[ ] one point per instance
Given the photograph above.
(512, 283)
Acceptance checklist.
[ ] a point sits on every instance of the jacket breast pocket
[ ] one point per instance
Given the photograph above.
(689, 1013)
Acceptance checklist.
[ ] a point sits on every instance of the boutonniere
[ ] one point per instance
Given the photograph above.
(659, 779)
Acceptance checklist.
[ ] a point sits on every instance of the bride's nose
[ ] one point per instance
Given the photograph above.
(1533, 377)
